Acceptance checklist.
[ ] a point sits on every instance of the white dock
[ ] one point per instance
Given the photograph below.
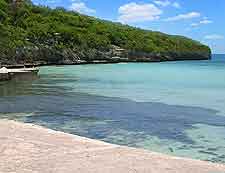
(7, 74)
(23, 70)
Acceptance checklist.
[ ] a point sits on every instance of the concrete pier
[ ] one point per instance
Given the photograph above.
(27, 148)
(4, 74)
(8, 74)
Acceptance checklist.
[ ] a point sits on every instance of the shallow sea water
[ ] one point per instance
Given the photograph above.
(176, 108)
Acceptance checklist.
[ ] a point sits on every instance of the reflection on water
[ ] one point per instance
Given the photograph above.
(19, 83)
(54, 100)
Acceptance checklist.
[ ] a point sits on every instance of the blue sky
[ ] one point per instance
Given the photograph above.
(203, 20)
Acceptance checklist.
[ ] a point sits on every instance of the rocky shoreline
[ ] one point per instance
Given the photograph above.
(107, 61)
(37, 57)
(112, 60)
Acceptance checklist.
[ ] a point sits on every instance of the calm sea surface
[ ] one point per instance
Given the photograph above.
(176, 108)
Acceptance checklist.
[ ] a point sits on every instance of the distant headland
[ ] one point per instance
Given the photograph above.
(33, 34)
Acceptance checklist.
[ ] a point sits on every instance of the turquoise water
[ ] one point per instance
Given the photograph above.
(176, 108)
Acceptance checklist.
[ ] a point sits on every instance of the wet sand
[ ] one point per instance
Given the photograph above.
(27, 148)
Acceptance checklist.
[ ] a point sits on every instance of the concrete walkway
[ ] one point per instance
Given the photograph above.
(26, 148)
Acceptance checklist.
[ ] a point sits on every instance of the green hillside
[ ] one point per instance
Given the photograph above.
(32, 33)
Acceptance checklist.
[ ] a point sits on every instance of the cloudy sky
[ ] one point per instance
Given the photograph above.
(203, 20)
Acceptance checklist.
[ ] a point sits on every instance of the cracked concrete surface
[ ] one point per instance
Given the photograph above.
(27, 148)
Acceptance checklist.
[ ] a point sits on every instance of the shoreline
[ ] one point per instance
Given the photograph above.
(30, 65)
(27, 148)
(18, 67)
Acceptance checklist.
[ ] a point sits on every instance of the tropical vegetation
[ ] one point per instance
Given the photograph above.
(30, 33)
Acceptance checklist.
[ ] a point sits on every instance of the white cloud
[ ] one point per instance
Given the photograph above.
(195, 24)
(214, 37)
(81, 7)
(204, 21)
(176, 5)
(165, 3)
(133, 12)
(190, 15)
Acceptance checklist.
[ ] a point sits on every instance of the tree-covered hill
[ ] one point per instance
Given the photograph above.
(30, 33)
